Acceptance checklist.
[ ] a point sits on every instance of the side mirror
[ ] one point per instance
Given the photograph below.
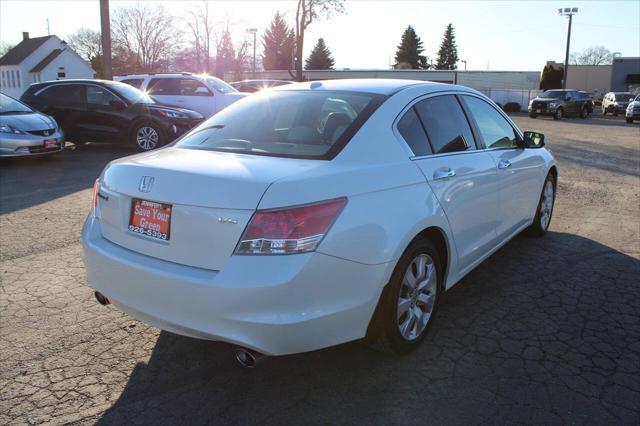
(117, 104)
(533, 139)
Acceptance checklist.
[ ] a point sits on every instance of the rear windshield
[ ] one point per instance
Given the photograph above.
(300, 124)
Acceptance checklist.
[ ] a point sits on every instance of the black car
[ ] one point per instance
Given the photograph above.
(561, 103)
(109, 111)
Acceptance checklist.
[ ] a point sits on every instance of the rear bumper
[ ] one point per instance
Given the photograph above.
(273, 304)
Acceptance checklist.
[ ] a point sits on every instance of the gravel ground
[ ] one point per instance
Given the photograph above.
(545, 331)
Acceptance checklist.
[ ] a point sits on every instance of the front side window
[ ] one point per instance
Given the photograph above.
(413, 133)
(445, 123)
(495, 130)
(301, 124)
(190, 87)
(220, 85)
(97, 95)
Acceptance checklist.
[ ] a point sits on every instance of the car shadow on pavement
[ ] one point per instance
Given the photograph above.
(28, 181)
(545, 331)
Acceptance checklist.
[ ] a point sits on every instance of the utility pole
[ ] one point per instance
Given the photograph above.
(567, 11)
(105, 29)
(254, 31)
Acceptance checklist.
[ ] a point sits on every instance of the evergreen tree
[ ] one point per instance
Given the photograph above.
(409, 51)
(448, 53)
(278, 41)
(320, 57)
(226, 55)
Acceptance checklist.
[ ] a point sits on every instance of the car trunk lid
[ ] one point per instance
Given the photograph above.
(211, 195)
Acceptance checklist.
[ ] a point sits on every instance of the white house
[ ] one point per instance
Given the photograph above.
(39, 59)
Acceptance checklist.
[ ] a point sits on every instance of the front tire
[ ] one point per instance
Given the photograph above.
(629, 120)
(584, 113)
(147, 136)
(545, 208)
(408, 303)
(558, 114)
(532, 115)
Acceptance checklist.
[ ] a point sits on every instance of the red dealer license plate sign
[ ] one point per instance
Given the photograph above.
(150, 219)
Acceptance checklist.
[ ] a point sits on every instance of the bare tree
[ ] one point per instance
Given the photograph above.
(5, 47)
(203, 31)
(306, 12)
(594, 55)
(86, 42)
(148, 32)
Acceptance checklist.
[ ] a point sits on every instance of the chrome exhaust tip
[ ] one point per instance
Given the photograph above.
(248, 358)
(101, 298)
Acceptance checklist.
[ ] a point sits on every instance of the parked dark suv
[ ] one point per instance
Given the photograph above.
(561, 103)
(109, 111)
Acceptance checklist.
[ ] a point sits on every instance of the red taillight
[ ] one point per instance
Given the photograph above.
(96, 186)
(289, 230)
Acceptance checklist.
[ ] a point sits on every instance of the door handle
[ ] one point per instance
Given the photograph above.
(444, 173)
(504, 164)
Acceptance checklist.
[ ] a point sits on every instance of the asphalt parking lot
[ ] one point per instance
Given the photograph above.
(545, 331)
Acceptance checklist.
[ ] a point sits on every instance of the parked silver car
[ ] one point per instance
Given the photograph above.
(24, 131)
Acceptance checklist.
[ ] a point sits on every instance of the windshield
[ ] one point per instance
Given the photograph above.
(9, 105)
(553, 94)
(622, 96)
(220, 85)
(300, 124)
(130, 93)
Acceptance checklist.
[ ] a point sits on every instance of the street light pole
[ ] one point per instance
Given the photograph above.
(105, 29)
(567, 11)
(465, 63)
(254, 31)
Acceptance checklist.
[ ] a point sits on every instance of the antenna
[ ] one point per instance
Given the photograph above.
(48, 31)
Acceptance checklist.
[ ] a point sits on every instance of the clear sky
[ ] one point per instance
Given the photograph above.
(496, 35)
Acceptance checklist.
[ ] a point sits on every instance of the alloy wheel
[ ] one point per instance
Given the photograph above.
(417, 298)
(546, 205)
(147, 138)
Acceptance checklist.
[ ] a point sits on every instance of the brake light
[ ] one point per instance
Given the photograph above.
(96, 186)
(290, 230)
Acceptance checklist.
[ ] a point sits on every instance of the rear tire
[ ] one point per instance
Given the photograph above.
(615, 112)
(629, 120)
(147, 136)
(544, 212)
(409, 302)
(532, 115)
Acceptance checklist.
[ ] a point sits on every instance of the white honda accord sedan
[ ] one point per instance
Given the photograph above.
(316, 213)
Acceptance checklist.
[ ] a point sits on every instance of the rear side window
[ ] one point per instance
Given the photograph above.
(299, 124)
(495, 130)
(63, 94)
(177, 87)
(135, 82)
(445, 123)
(413, 133)
(164, 87)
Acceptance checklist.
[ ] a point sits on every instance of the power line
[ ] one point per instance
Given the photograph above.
(508, 32)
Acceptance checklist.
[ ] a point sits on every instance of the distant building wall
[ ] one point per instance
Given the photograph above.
(594, 79)
(625, 74)
(479, 80)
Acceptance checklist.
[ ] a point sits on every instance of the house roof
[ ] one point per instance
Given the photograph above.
(25, 48)
(43, 63)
